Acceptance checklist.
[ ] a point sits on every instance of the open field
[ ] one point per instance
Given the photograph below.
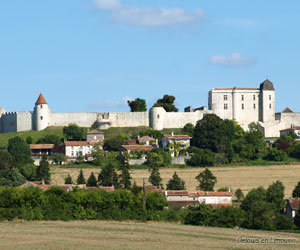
(244, 177)
(129, 235)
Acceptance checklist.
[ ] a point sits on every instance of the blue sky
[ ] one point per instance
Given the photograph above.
(87, 55)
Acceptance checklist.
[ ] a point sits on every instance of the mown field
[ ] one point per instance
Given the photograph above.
(89, 235)
(244, 177)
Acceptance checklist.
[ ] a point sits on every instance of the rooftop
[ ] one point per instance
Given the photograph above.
(41, 100)
(41, 146)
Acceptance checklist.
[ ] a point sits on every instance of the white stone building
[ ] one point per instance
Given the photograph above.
(73, 148)
(245, 105)
(175, 143)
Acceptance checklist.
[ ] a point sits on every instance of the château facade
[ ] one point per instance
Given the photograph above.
(245, 105)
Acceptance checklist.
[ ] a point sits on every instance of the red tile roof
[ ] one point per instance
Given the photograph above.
(178, 137)
(95, 132)
(153, 188)
(41, 100)
(294, 204)
(211, 193)
(176, 192)
(41, 146)
(80, 143)
(132, 142)
(137, 147)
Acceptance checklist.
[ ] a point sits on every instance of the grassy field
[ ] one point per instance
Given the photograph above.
(129, 235)
(244, 177)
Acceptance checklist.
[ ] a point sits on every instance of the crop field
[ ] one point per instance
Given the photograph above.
(132, 235)
(244, 177)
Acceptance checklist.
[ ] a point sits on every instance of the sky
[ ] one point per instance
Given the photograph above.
(94, 55)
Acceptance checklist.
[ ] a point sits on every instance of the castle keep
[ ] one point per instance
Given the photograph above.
(245, 105)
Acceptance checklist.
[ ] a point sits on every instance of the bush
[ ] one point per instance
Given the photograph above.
(203, 158)
(20, 151)
(229, 217)
(29, 172)
(276, 155)
(6, 160)
(282, 222)
(200, 215)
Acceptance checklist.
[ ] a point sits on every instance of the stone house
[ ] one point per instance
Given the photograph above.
(136, 150)
(75, 148)
(294, 129)
(184, 198)
(175, 143)
(95, 135)
(292, 207)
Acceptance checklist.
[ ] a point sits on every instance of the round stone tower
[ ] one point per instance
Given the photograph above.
(41, 113)
(156, 118)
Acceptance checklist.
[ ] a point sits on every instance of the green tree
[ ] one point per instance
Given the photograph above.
(167, 102)
(256, 194)
(209, 133)
(239, 194)
(296, 191)
(154, 161)
(58, 158)
(229, 217)
(125, 178)
(68, 179)
(176, 183)
(255, 137)
(108, 176)
(275, 196)
(29, 140)
(98, 155)
(138, 105)
(19, 150)
(189, 129)
(80, 178)
(49, 139)
(43, 170)
(276, 155)
(154, 177)
(6, 160)
(92, 181)
(80, 157)
(114, 143)
(200, 215)
(282, 222)
(206, 180)
(201, 157)
(73, 132)
(29, 172)
(14, 177)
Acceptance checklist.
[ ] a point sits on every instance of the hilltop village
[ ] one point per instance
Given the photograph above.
(232, 131)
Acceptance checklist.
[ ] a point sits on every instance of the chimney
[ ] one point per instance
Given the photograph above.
(229, 189)
(43, 182)
(172, 133)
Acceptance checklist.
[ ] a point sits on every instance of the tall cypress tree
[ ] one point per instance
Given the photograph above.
(108, 176)
(43, 170)
(125, 178)
(80, 178)
(92, 181)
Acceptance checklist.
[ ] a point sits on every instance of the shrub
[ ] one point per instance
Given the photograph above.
(276, 155)
(200, 215)
(203, 158)
(6, 160)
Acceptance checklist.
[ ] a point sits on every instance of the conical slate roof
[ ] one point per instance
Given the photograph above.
(41, 100)
(266, 85)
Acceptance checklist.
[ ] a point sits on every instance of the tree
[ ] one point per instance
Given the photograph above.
(58, 158)
(29, 140)
(209, 133)
(189, 129)
(19, 150)
(176, 183)
(154, 161)
(43, 170)
(80, 178)
(73, 132)
(80, 157)
(275, 195)
(68, 179)
(14, 177)
(108, 176)
(200, 215)
(29, 172)
(255, 137)
(6, 160)
(92, 181)
(167, 102)
(239, 194)
(98, 155)
(296, 191)
(206, 180)
(138, 105)
(125, 178)
(49, 139)
(201, 157)
(114, 143)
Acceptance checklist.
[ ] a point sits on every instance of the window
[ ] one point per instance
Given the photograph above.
(72, 147)
(41, 118)
(243, 106)
(254, 106)
(157, 116)
(225, 97)
(81, 147)
(270, 97)
(270, 105)
(253, 97)
(41, 106)
(72, 153)
(225, 106)
(242, 97)
(95, 137)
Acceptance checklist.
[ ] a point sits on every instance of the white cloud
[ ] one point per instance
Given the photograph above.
(108, 104)
(234, 60)
(146, 16)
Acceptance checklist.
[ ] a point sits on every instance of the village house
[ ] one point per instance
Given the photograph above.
(95, 135)
(292, 129)
(41, 149)
(175, 143)
(292, 207)
(74, 149)
(184, 198)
